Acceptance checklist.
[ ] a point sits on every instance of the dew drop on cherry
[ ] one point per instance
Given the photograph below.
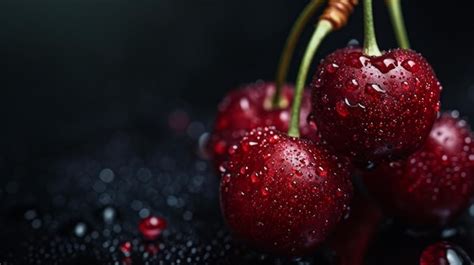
(384, 65)
(332, 68)
(410, 66)
(352, 85)
(405, 85)
(152, 227)
(341, 109)
(374, 90)
(321, 171)
(264, 191)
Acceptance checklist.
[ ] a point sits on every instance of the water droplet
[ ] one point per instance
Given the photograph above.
(332, 68)
(384, 65)
(352, 85)
(222, 168)
(273, 139)
(353, 43)
(254, 177)
(405, 85)
(107, 175)
(264, 191)
(321, 171)
(152, 227)
(80, 229)
(109, 214)
(410, 66)
(374, 90)
(126, 248)
(232, 149)
(341, 109)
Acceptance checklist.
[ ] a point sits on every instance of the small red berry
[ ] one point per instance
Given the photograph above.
(126, 248)
(250, 107)
(375, 108)
(283, 194)
(152, 227)
(435, 184)
(444, 253)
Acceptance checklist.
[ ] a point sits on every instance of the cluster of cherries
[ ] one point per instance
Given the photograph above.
(371, 114)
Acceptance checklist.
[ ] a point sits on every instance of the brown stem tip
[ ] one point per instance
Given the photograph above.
(338, 12)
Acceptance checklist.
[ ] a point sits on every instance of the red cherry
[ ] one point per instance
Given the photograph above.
(248, 108)
(434, 184)
(373, 108)
(444, 253)
(283, 194)
(152, 227)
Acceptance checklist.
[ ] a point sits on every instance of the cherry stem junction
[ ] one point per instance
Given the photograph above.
(396, 15)
(323, 28)
(370, 41)
(290, 45)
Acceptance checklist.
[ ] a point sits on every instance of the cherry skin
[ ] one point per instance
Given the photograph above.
(282, 194)
(375, 108)
(434, 184)
(250, 107)
(444, 253)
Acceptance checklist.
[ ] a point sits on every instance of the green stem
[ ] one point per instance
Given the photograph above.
(396, 15)
(290, 45)
(370, 41)
(323, 28)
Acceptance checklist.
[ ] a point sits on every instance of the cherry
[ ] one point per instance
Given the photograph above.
(152, 227)
(434, 184)
(283, 194)
(248, 108)
(371, 105)
(444, 253)
(374, 107)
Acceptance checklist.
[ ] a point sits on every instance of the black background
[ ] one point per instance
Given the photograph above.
(74, 72)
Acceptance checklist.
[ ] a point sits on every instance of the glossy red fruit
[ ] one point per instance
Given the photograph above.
(375, 108)
(152, 227)
(434, 184)
(444, 253)
(250, 107)
(283, 195)
(126, 248)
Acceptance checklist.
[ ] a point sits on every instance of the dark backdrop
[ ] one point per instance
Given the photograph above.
(74, 70)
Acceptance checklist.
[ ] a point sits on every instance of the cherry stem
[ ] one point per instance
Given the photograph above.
(290, 45)
(323, 28)
(370, 41)
(396, 15)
